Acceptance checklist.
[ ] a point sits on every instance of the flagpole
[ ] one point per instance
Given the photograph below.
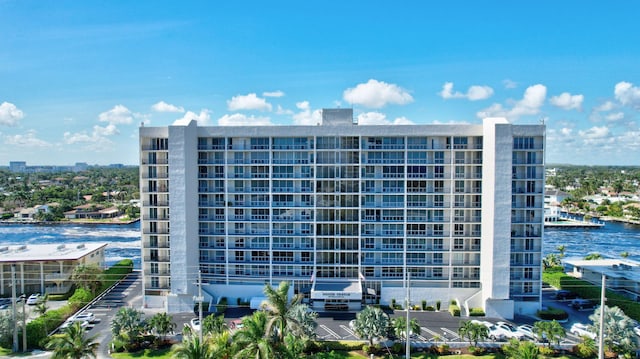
(408, 306)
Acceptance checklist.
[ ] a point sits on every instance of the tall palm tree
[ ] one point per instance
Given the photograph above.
(400, 327)
(214, 324)
(561, 249)
(163, 324)
(192, 348)
(253, 338)
(552, 330)
(618, 328)
(72, 344)
(222, 345)
(473, 331)
(127, 325)
(277, 309)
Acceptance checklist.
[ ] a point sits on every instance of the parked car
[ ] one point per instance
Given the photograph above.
(528, 332)
(34, 299)
(83, 324)
(195, 324)
(85, 317)
(508, 331)
(582, 330)
(581, 304)
(564, 295)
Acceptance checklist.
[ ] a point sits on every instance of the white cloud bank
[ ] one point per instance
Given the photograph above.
(117, 115)
(167, 107)
(248, 102)
(277, 93)
(377, 94)
(530, 104)
(203, 118)
(28, 140)
(567, 101)
(474, 93)
(627, 94)
(10, 115)
(238, 119)
(377, 118)
(306, 116)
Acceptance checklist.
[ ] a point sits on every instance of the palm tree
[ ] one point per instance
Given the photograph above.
(253, 338)
(222, 345)
(618, 328)
(214, 324)
(163, 324)
(552, 330)
(305, 320)
(192, 348)
(521, 350)
(561, 248)
(127, 325)
(400, 327)
(72, 344)
(371, 323)
(277, 309)
(551, 260)
(88, 276)
(473, 331)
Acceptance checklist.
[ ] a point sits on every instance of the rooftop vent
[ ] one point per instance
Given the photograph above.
(4, 249)
(80, 246)
(60, 247)
(22, 247)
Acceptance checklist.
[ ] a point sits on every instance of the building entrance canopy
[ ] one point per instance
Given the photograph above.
(348, 290)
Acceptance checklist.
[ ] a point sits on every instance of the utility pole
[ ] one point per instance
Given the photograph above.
(200, 299)
(408, 306)
(13, 305)
(601, 333)
(24, 323)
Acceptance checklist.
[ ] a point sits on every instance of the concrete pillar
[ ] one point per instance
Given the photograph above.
(42, 278)
(22, 278)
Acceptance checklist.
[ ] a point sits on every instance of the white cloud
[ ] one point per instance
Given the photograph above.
(377, 94)
(377, 118)
(565, 131)
(306, 117)
(248, 102)
(166, 107)
(273, 93)
(530, 104)
(108, 130)
(238, 119)
(594, 133)
(567, 101)
(282, 111)
(28, 140)
(10, 115)
(627, 94)
(117, 115)
(607, 106)
(509, 84)
(95, 141)
(203, 118)
(614, 117)
(474, 92)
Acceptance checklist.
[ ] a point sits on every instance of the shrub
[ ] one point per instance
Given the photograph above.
(397, 348)
(477, 350)
(442, 349)
(476, 312)
(430, 308)
(453, 301)
(221, 306)
(80, 298)
(424, 304)
(393, 303)
(438, 305)
(546, 351)
(454, 310)
(552, 313)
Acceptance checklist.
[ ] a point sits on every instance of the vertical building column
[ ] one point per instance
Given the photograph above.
(1, 279)
(42, 278)
(495, 250)
(183, 206)
(22, 277)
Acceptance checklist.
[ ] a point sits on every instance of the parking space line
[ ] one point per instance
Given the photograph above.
(433, 334)
(331, 332)
(348, 330)
(449, 331)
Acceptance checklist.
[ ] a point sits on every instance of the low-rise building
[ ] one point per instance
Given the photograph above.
(623, 275)
(45, 268)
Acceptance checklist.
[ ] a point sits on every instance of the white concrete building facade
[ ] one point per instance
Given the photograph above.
(344, 212)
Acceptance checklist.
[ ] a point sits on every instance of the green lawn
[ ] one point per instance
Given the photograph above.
(147, 353)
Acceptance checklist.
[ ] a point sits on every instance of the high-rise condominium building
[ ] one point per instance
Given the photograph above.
(348, 214)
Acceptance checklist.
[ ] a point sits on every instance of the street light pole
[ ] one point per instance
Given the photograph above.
(601, 333)
(13, 305)
(408, 305)
(24, 323)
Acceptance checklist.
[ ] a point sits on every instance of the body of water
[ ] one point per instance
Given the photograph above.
(124, 240)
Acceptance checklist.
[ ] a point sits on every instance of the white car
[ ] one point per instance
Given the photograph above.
(195, 324)
(528, 332)
(34, 299)
(506, 330)
(582, 330)
(85, 317)
(70, 321)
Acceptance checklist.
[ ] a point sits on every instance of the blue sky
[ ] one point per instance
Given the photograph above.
(77, 78)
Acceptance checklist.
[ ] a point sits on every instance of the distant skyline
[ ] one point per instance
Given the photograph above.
(77, 78)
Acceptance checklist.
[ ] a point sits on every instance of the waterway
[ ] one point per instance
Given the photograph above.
(124, 240)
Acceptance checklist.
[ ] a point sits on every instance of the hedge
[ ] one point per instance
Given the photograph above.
(454, 309)
(590, 291)
(476, 312)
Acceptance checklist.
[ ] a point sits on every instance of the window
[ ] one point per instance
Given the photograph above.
(458, 243)
(439, 157)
